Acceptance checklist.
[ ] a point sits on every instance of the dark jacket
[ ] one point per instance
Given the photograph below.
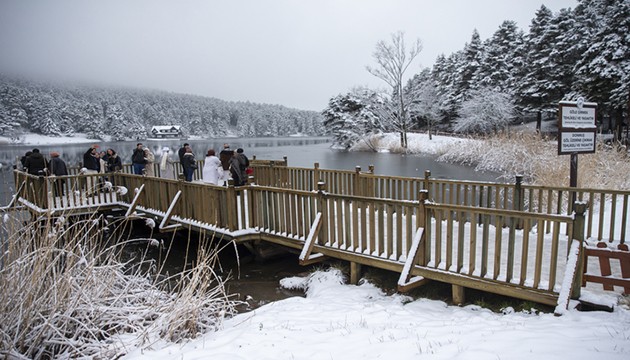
(35, 164)
(180, 153)
(188, 161)
(138, 157)
(114, 163)
(90, 161)
(225, 156)
(57, 167)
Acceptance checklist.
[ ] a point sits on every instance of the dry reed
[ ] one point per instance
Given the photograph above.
(67, 293)
(536, 158)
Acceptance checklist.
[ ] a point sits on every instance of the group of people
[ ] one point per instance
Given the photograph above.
(34, 163)
(142, 160)
(217, 170)
(95, 162)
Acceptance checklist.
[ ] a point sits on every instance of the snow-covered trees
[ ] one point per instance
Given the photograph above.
(487, 110)
(393, 61)
(100, 112)
(352, 116)
(425, 99)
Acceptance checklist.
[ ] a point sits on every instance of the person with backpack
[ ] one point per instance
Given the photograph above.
(243, 164)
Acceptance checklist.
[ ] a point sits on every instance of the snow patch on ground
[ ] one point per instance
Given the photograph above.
(338, 321)
(37, 139)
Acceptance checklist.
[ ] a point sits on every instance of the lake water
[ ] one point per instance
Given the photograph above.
(300, 151)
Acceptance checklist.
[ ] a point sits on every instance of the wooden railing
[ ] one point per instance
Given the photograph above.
(601, 223)
(473, 243)
(482, 235)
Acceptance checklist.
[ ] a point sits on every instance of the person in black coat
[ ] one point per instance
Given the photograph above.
(113, 161)
(23, 159)
(57, 167)
(137, 159)
(181, 152)
(35, 163)
(92, 165)
(189, 164)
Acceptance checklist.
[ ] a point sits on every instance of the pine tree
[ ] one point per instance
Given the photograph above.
(353, 116)
(502, 59)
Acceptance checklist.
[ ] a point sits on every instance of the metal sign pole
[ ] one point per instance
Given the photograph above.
(573, 176)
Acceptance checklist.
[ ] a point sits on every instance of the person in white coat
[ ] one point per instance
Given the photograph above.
(167, 167)
(212, 169)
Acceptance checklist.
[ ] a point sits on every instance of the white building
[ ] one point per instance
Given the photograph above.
(166, 131)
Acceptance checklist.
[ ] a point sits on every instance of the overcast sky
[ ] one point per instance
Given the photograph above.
(297, 53)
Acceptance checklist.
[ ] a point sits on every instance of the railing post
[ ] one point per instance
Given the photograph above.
(578, 234)
(356, 184)
(427, 179)
(316, 176)
(421, 219)
(518, 199)
(322, 237)
(231, 201)
(286, 160)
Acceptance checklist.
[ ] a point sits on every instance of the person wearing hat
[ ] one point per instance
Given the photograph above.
(57, 167)
(167, 170)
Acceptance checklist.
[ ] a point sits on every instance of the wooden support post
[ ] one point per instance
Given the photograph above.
(231, 206)
(355, 273)
(134, 203)
(427, 179)
(305, 256)
(323, 208)
(458, 294)
(169, 213)
(579, 208)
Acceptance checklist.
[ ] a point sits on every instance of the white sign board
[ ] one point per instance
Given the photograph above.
(576, 127)
(577, 118)
(580, 142)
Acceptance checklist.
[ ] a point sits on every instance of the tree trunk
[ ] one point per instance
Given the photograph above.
(538, 121)
(619, 124)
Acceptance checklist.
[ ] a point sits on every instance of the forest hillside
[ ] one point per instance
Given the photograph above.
(28, 106)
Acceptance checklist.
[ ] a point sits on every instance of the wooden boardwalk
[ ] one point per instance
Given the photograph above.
(509, 239)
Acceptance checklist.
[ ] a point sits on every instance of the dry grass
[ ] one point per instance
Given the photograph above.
(536, 158)
(67, 293)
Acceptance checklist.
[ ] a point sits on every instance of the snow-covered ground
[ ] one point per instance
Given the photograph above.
(418, 143)
(337, 321)
(37, 139)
